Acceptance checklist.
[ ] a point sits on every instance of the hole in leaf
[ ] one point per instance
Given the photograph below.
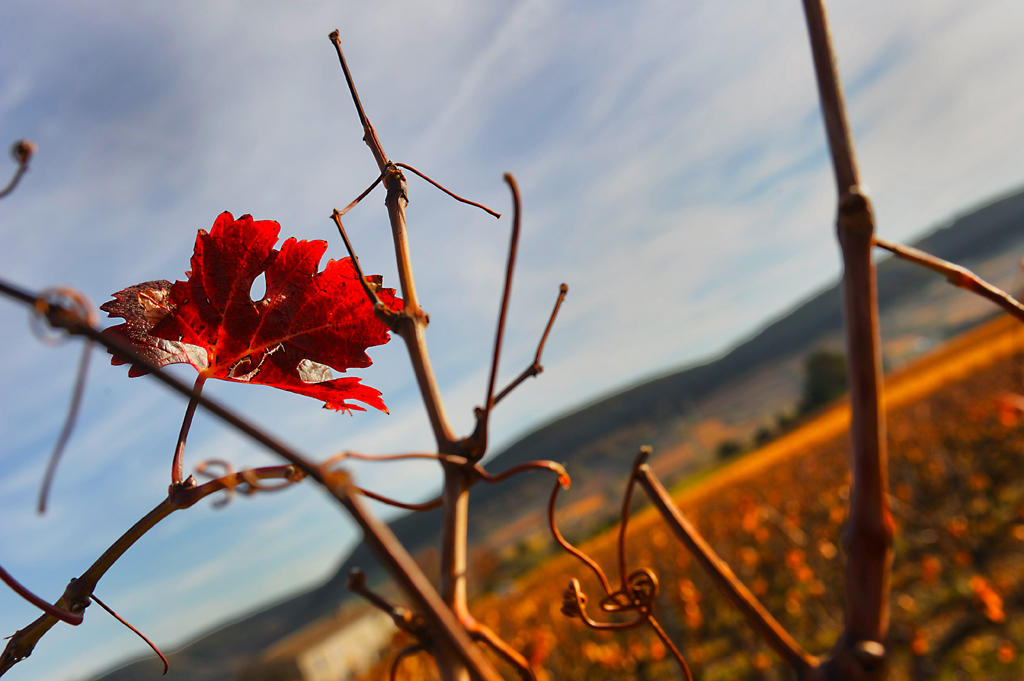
(259, 288)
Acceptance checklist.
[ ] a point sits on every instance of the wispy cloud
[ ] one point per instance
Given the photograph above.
(673, 169)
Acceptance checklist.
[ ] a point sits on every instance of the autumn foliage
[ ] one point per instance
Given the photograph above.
(307, 323)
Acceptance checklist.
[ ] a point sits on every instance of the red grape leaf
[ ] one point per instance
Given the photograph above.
(306, 324)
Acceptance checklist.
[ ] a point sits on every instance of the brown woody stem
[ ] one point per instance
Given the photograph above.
(426, 506)
(869, 530)
(759, 619)
(484, 634)
(958, 276)
(457, 656)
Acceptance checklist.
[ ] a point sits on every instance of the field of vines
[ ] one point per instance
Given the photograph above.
(957, 488)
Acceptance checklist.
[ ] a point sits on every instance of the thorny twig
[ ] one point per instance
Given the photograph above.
(958, 276)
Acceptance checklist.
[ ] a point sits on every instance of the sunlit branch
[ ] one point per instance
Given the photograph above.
(21, 152)
(958, 276)
(869, 532)
(369, 134)
(178, 462)
(78, 593)
(756, 615)
(449, 192)
(69, 425)
(536, 367)
(167, 665)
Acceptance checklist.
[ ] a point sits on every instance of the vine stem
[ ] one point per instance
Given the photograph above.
(411, 326)
(177, 464)
(718, 570)
(869, 532)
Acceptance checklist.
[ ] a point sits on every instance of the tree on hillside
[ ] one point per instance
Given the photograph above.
(824, 379)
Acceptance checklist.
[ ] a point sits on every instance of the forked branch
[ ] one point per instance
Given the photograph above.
(536, 367)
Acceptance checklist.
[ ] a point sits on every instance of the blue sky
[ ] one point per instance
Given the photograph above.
(673, 169)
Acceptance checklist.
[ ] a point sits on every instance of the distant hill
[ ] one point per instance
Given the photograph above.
(683, 414)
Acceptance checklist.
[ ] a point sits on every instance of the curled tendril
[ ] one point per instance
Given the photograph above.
(638, 590)
(227, 478)
(60, 298)
(292, 476)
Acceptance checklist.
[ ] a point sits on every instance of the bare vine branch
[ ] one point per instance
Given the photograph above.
(766, 626)
(449, 192)
(483, 414)
(869, 532)
(536, 367)
(958, 276)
